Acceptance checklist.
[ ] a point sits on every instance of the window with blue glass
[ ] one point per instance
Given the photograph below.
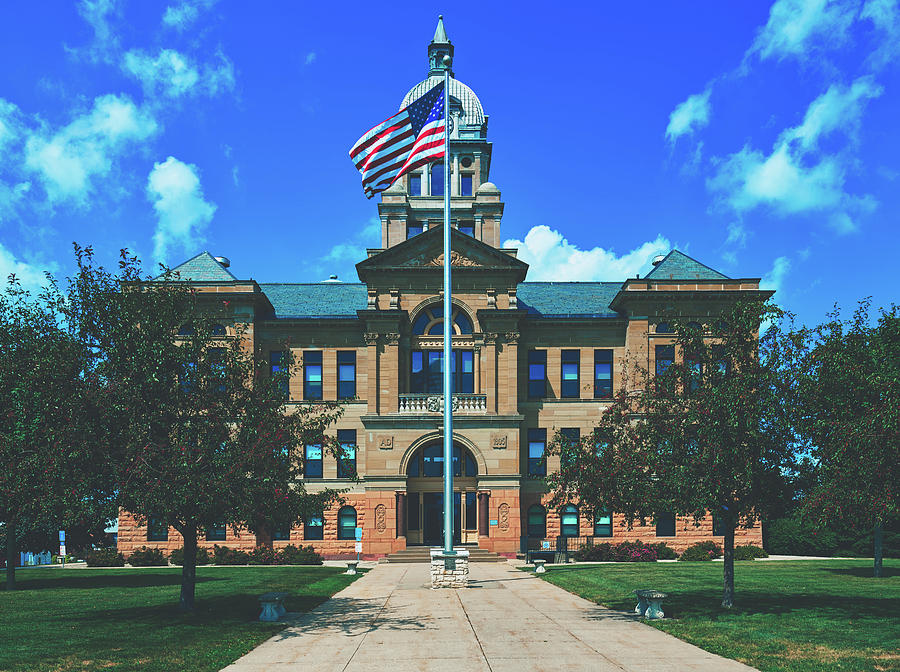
(603, 381)
(693, 373)
(346, 363)
(465, 184)
(347, 523)
(664, 328)
(537, 444)
(665, 357)
(718, 525)
(437, 179)
(427, 371)
(569, 382)
(571, 436)
(720, 365)
(314, 528)
(429, 462)
(537, 374)
(312, 375)
(430, 322)
(187, 381)
(217, 330)
(537, 521)
(568, 521)
(216, 532)
(157, 529)
(346, 465)
(278, 372)
(602, 524)
(281, 533)
(415, 184)
(665, 524)
(471, 509)
(312, 460)
(467, 228)
(217, 369)
(413, 228)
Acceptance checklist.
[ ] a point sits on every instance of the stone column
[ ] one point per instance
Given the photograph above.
(483, 513)
(490, 371)
(401, 514)
(510, 373)
(389, 381)
(372, 361)
(476, 369)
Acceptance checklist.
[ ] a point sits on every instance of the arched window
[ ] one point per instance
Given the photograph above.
(186, 330)
(695, 326)
(430, 322)
(217, 330)
(537, 521)
(347, 523)
(568, 521)
(603, 524)
(429, 462)
(664, 328)
(314, 528)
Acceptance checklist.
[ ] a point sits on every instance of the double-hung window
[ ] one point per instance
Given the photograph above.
(693, 373)
(537, 443)
(415, 184)
(602, 524)
(312, 460)
(603, 382)
(413, 228)
(572, 438)
(465, 184)
(346, 363)
(216, 532)
(427, 371)
(157, 529)
(537, 374)
(471, 508)
(347, 523)
(314, 528)
(568, 521)
(665, 524)
(569, 382)
(277, 370)
(437, 179)
(346, 466)
(312, 375)
(468, 228)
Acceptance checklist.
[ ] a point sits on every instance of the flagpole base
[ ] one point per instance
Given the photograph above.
(449, 570)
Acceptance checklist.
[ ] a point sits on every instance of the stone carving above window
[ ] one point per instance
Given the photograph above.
(503, 516)
(380, 522)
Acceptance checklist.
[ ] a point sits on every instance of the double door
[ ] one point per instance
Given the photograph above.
(433, 518)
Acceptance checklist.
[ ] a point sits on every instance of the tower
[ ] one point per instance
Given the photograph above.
(415, 202)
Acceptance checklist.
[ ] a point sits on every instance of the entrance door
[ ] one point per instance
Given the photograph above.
(433, 518)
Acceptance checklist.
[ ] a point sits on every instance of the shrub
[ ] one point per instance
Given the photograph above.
(635, 551)
(749, 552)
(223, 555)
(176, 557)
(147, 557)
(663, 552)
(263, 555)
(702, 550)
(105, 557)
(305, 555)
(627, 551)
(789, 536)
(604, 552)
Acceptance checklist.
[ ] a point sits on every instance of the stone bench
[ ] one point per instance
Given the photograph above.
(650, 603)
(351, 567)
(272, 606)
(539, 566)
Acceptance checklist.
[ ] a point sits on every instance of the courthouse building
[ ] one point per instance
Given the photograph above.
(529, 359)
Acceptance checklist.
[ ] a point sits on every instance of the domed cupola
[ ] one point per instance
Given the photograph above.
(440, 46)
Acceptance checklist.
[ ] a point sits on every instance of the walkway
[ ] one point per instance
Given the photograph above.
(391, 620)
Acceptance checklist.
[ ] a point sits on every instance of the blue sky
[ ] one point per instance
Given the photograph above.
(760, 138)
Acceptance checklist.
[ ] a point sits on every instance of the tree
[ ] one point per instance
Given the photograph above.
(849, 411)
(205, 436)
(706, 432)
(54, 470)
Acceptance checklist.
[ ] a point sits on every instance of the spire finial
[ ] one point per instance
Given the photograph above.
(440, 35)
(439, 48)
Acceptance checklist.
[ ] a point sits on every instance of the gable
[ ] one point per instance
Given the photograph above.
(679, 266)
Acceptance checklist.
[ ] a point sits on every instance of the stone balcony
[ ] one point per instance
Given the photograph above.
(417, 404)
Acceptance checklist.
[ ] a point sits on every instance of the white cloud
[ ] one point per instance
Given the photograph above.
(173, 74)
(183, 14)
(98, 13)
(737, 235)
(68, 161)
(774, 279)
(795, 27)
(311, 58)
(174, 189)
(552, 257)
(31, 276)
(839, 108)
(689, 116)
(885, 18)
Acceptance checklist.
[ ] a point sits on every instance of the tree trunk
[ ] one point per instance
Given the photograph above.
(188, 569)
(11, 551)
(879, 538)
(728, 569)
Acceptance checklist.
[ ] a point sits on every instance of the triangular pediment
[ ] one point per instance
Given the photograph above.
(425, 252)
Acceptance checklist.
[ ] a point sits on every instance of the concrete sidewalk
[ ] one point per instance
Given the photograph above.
(392, 620)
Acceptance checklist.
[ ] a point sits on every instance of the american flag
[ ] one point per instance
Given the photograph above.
(411, 138)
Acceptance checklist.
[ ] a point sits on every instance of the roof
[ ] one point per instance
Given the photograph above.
(202, 268)
(679, 266)
(472, 111)
(316, 300)
(568, 299)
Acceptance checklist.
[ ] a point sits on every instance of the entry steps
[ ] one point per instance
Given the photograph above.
(423, 554)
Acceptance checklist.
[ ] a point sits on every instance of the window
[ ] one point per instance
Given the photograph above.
(465, 185)
(415, 185)
(693, 373)
(664, 328)
(277, 371)
(603, 374)
(217, 369)
(413, 228)
(537, 374)
(312, 464)
(695, 326)
(665, 357)
(427, 371)
(314, 528)
(718, 525)
(188, 378)
(720, 365)
(157, 530)
(346, 363)
(568, 521)
(537, 521)
(537, 443)
(471, 508)
(569, 381)
(347, 523)
(281, 533)
(429, 462)
(216, 532)
(437, 179)
(602, 524)
(467, 228)
(665, 524)
(186, 330)
(430, 322)
(217, 330)
(412, 511)
(346, 466)
(312, 375)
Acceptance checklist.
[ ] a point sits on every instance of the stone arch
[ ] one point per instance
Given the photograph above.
(437, 436)
(427, 303)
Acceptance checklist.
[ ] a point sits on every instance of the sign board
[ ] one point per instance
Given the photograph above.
(493, 522)
(359, 534)
(359, 547)
(62, 549)
(62, 536)
(545, 545)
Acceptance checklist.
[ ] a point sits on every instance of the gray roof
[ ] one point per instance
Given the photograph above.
(202, 268)
(678, 266)
(318, 300)
(472, 111)
(568, 299)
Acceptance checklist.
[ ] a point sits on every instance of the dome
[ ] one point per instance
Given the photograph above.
(487, 188)
(472, 113)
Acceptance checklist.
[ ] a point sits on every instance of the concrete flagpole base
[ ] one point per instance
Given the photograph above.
(449, 570)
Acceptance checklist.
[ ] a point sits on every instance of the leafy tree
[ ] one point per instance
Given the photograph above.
(54, 470)
(849, 408)
(708, 433)
(205, 432)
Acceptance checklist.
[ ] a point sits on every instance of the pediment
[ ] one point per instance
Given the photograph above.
(425, 252)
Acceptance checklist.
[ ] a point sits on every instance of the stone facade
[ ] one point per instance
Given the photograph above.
(384, 326)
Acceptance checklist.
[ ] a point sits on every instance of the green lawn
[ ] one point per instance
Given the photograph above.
(127, 619)
(791, 616)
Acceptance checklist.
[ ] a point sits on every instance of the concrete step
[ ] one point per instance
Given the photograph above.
(423, 554)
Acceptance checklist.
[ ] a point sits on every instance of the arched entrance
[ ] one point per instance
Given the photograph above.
(425, 495)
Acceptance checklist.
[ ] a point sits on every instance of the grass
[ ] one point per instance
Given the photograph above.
(127, 619)
(790, 616)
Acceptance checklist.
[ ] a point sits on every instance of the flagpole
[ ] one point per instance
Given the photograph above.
(448, 328)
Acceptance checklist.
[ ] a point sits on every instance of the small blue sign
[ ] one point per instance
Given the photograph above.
(359, 534)
(62, 536)
(493, 522)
